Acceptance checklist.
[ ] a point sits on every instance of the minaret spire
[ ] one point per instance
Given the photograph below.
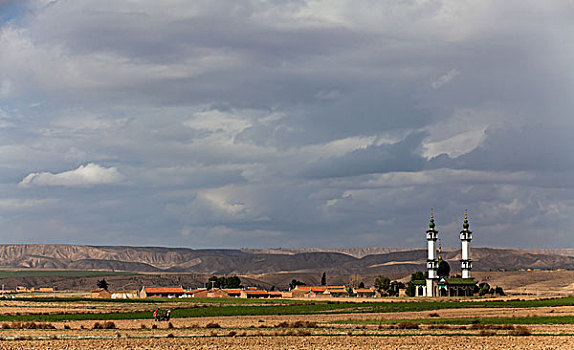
(432, 261)
(465, 238)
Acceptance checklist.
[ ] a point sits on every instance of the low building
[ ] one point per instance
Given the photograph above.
(161, 292)
(275, 294)
(124, 294)
(364, 293)
(252, 294)
(217, 293)
(100, 294)
(196, 293)
(318, 291)
(233, 293)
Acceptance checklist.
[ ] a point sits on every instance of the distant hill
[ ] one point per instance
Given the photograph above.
(228, 261)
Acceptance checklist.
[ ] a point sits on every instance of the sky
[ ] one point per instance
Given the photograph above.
(294, 124)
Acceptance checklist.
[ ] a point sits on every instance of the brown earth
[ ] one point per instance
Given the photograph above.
(279, 331)
(312, 342)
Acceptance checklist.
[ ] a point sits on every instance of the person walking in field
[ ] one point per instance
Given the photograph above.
(156, 314)
(168, 315)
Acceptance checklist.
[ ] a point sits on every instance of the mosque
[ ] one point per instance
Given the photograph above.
(438, 283)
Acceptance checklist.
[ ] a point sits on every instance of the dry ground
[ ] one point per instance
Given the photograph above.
(312, 342)
(262, 332)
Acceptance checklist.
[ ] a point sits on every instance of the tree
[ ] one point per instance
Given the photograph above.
(382, 283)
(361, 285)
(483, 289)
(294, 283)
(418, 276)
(224, 282)
(410, 290)
(324, 279)
(103, 284)
(498, 290)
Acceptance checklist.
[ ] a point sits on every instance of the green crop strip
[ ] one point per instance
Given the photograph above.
(234, 307)
(470, 320)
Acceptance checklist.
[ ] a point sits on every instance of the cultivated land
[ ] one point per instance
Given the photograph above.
(517, 323)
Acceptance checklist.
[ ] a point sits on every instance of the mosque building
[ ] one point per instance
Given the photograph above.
(438, 282)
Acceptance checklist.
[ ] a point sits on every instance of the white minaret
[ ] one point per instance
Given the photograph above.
(465, 238)
(432, 261)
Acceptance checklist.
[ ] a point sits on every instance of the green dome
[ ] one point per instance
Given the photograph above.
(431, 223)
(443, 268)
(465, 224)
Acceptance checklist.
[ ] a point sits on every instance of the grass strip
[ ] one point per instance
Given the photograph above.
(469, 320)
(297, 308)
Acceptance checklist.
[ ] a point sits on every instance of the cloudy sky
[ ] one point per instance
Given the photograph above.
(210, 124)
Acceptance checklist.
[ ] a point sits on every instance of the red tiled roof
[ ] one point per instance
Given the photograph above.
(275, 293)
(196, 290)
(163, 290)
(306, 288)
(232, 291)
(363, 290)
(337, 290)
(317, 289)
(255, 292)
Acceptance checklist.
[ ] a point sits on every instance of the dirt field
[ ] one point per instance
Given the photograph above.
(312, 342)
(318, 331)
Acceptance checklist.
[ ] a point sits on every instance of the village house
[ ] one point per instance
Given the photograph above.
(252, 294)
(318, 291)
(233, 293)
(124, 294)
(100, 294)
(161, 292)
(364, 293)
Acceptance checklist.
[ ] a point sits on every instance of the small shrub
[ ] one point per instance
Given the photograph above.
(170, 335)
(212, 325)
(213, 334)
(143, 326)
(154, 326)
(486, 333)
(66, 326)
(434, 314)
(170, 325)
(109, 325)
(438, 326)
(296, 324)
(476, 326)
(408, 325)
(520, 331)
(232, 334)
(303, 333)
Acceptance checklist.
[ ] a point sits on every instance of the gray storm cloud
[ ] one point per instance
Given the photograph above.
(292, 123)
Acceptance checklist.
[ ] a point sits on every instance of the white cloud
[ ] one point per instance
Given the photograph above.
(23, 204)
(444, 79)
(85, 175)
